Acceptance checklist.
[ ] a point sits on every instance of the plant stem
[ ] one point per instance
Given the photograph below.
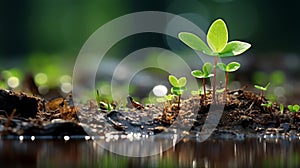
(215, 78)
(226, 84)
(179, 101)
(204, 90)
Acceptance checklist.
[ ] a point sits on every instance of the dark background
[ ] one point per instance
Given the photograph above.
(45, 36)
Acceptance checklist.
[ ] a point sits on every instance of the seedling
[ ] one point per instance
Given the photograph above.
(178, 86)
(263, 89)
(167, 98)
(268, 104)
(218, 45)
(101, 104)
(281, 107)
(294, 108)
(205, 73)
(231, 67)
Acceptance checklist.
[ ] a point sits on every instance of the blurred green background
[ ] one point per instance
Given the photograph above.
(44, 37)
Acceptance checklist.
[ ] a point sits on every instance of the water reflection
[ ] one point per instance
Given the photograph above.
(187, 153)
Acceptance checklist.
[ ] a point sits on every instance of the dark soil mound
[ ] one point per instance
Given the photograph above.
(241, 113)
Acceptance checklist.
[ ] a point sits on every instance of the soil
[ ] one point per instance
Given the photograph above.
(241, 115)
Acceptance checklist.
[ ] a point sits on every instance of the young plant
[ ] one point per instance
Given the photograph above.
(263, 89)
(178, 86)
(294, 108)
(101, 104)
(218, 45)
(268, 104)
(205, 73)
(167, 98)
(231, 67)
(281, 107)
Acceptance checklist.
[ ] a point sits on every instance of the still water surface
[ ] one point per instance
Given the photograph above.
(187, 153)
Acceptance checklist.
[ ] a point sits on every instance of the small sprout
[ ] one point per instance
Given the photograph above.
(281, 107)
(167, 98)
(268, 104)
(262, 88)
(102, 105)
(294, 108)
(218, 45)
(178, 86)
(231, 67)
(205, 73)
(197, 92)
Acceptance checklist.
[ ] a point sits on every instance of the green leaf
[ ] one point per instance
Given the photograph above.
(174, 81)
(207, 68)
(234, 48)
(233, 66)
(221, 66)
(217, 36)
(178, 90)
(197, 74)
(267, 86)
(194, 42)
(261, 87)
(169, 97)
(281, 107)
(296, 107)
(182, 81)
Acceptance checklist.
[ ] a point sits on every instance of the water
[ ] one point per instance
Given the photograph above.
(188, 153)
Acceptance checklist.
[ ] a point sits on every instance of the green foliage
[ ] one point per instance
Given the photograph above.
(294, 108)
(205, 73)
(168, 98)
(231, 67)
(262, 88)
(178, 85)
(268, 104)
(217, 39)
(217, 36)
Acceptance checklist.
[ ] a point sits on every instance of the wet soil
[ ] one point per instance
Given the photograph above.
(239, 114)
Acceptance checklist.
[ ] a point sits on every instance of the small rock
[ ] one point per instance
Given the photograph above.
(285, 126)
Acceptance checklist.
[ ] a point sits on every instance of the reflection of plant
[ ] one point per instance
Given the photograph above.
(205, 73)
(178, 86)
(294, 108)
(262, 88)
(231, 67)
(218, 45)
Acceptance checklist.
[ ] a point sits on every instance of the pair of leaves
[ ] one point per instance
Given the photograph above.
(178, 85)
(205, 73)
(294, 108)
(181, 82)
(168, 97)
(178, 90)
(231, 67)
(217, 39)
(262, 88)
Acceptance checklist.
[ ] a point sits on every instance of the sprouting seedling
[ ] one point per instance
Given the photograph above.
(167, 98)
(218, 45)
(231, 67)
(205, 73)
(294, 108)
(178, 86)
(263, 89)
(268, 104)
(281, 107)
(101, 104)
